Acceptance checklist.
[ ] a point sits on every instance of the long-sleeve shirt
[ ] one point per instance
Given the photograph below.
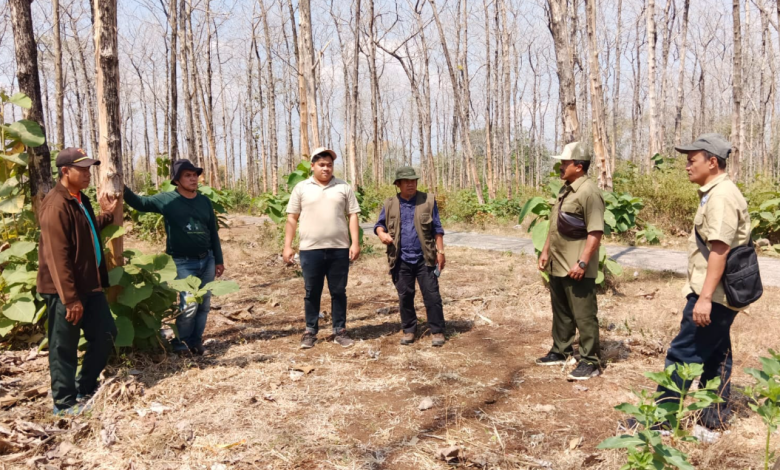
(410, 248)
(190, 224)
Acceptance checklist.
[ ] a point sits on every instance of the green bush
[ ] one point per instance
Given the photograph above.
(670, 200)
(765, 398)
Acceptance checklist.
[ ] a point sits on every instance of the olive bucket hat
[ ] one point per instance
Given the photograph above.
(405, 173)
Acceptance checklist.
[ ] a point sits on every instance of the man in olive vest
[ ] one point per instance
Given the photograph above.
(410, 227)
(571, 257)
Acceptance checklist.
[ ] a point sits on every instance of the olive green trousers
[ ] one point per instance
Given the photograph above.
(575, 308)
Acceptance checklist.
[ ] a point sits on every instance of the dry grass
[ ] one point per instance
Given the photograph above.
(244, 405)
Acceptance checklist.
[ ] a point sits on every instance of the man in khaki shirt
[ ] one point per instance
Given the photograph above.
(572, 253)
(327, 243)
(723, 223)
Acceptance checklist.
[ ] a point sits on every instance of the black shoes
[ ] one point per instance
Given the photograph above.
(551, 359)
(584, 371)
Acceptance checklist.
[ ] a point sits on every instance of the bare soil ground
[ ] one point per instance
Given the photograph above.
(257, 401)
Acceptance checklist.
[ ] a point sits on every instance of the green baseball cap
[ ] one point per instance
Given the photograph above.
(714, 143)
(405, 173)
(573, 151)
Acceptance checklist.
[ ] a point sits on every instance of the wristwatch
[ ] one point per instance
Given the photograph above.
(441, 252)
(582, 264)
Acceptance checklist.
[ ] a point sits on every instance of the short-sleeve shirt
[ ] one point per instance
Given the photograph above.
(583, 199)
(324, 210)
(722, 216)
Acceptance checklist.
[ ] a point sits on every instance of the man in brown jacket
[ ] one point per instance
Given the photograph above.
(71, 278)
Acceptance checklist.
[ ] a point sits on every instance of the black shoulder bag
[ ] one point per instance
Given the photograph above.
(570, 225)
(741, 278)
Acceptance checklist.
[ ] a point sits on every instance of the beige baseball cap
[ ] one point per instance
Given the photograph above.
(573, 151)
(323, 151)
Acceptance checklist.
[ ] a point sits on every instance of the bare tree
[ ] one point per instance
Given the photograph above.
(736, 88)
(352, 140)
(59, 93)
(273, 146)
(460, 105)
(653, 143)
(680, 78)
(109, 121)
(564, 56)
(599, 125)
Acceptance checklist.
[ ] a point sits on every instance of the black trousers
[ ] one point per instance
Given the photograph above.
(99, 331)
(404, 276)
(710, 346)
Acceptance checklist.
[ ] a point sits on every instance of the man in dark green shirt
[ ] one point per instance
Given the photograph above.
(192, 241)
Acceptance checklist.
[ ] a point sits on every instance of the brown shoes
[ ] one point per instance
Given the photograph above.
(308, 340)
(437, 340)
(407, 339)
(342, 339)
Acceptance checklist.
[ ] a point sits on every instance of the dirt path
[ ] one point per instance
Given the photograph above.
(652, 259)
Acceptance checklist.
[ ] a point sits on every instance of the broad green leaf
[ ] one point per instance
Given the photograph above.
(115, 275)
(134, 293)
(304, 166)
(188, 284)
(539, 234)
(29, 132)
(609, 218)
(600, 277)
(19, 275)
(111, 232)
(12, 205)
(9, 186)
(125, 332)
(218, 288)
(613, 267)
(529, 206)
(21, 309)
(294, 178)
(6, 325)
(39, 314)
(768, 216)
(21, 100)
(165, 267)
(19, 249)
(625, 441)
(770, 203)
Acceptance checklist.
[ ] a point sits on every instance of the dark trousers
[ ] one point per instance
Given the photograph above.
(99, 331)
(404, 276)
(575, 307)
(710, 346)
(317, 265)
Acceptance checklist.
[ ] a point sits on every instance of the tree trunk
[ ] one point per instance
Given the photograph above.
(273, 149)
(507, 137)
(109, 122)
(59, 93)
(173, 120)
(27, 76)
(460, 105)
(616, 91)
(683, 50)
(88, 90)
(194, 99)
(564, 57)
(736, 90)
(354, 100)
(302, 101)
(307, 62)
(599, 126)
(653, 145)
(208, 107)
(490, 92)
(189, 134)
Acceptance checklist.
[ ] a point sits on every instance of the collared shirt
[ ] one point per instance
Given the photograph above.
(583, 199)
(410, 248)
(324, 210)
(95, 238)
(722, 216)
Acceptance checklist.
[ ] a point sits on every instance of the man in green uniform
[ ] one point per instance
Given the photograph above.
(193, 243)
(571, 257)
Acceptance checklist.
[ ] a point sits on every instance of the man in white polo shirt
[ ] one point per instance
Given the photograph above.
(323, 204)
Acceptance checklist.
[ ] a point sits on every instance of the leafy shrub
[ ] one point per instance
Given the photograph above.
(765, 397)
(21, 304)
(669, 199)
(646, 449)
(460, 206)
(620, 212)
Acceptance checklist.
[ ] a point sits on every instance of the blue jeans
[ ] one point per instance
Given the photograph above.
(709, 346)
(331, 263)
(192, 322)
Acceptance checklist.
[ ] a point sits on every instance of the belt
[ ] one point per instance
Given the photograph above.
(203, 255)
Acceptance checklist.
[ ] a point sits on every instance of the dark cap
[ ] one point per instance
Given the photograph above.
(405, 173)
(713, 143)
(72, 156)
(181, 165)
